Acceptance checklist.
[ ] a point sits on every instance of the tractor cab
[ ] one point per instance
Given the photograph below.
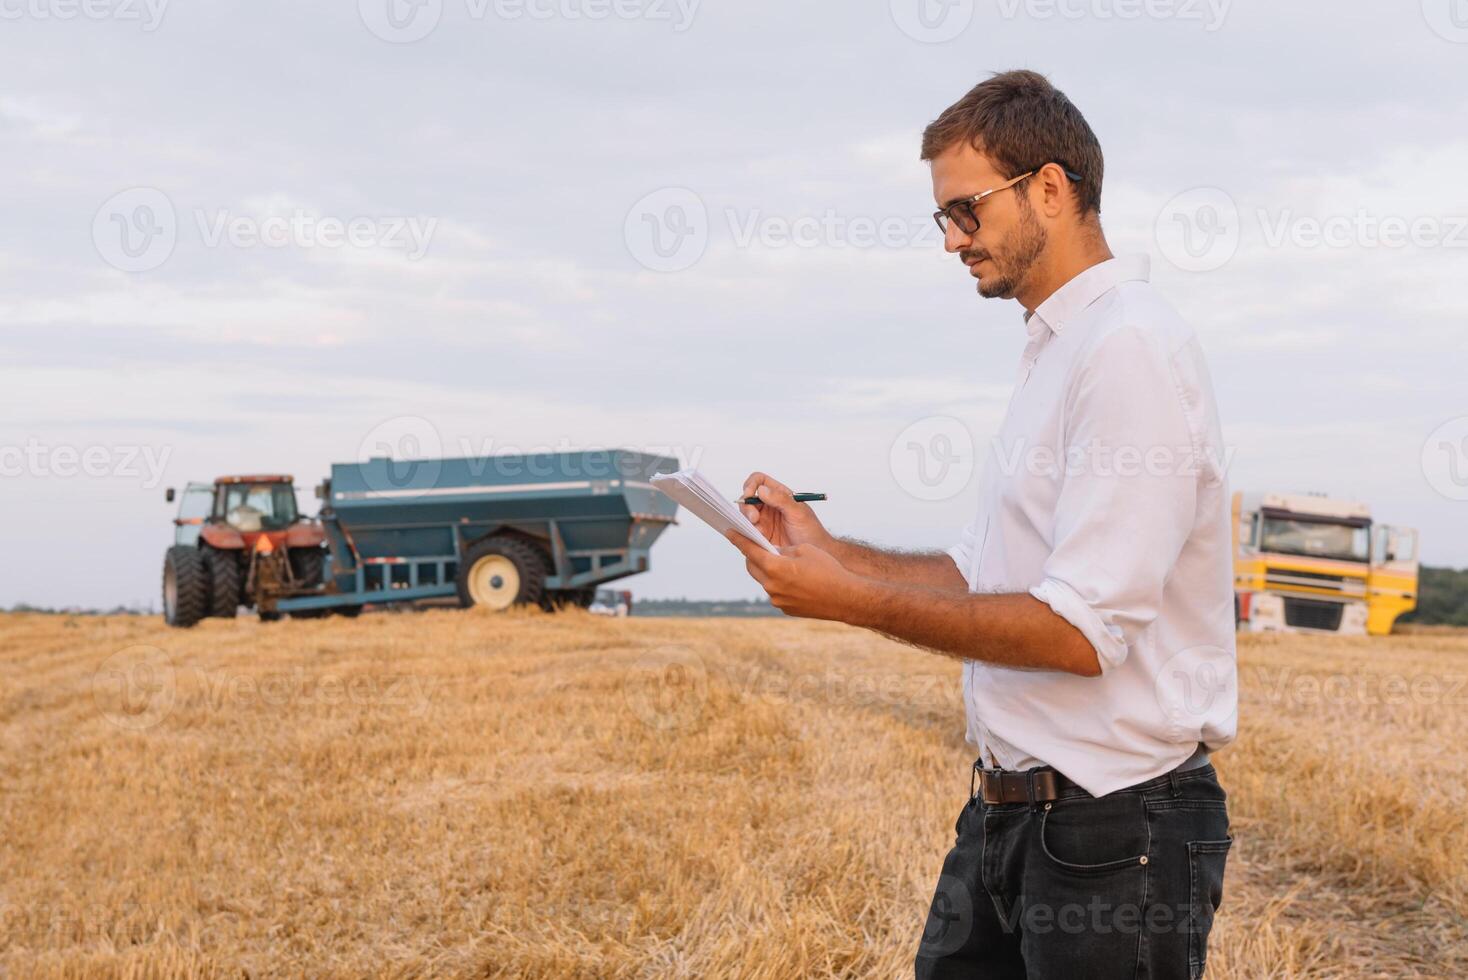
(248, 505)
(255, 504)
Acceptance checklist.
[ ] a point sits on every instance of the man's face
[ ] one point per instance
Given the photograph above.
(1010, 238)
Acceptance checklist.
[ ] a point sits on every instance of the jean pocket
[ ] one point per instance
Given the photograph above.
(1075, 833)
(1206, 859)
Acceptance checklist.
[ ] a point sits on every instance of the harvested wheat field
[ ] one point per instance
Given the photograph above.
(457, 794)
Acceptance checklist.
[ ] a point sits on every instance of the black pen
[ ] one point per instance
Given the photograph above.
(800, 498)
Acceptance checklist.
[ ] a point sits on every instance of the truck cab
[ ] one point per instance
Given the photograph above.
(611, 602)
(1310, 563)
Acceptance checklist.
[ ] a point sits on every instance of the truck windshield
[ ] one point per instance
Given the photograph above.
(260, 506)
(1290, 536)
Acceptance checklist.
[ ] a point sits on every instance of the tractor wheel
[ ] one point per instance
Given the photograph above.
(501, 572)
(185, 586)
(224, 582)
(271, 617)
(308, 565)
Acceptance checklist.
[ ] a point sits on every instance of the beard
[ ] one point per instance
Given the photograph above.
(1014, 257)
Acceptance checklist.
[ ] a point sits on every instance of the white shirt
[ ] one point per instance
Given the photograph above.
(1105, 496)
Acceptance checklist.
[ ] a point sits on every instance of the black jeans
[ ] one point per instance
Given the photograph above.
(1083, 888)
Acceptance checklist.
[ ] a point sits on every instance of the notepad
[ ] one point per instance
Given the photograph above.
(692, 490)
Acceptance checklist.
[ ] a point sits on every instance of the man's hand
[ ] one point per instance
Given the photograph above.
(783, 521)
(802, 580)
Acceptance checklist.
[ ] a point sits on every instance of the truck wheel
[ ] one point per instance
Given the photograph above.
(308, 565)
(501, 572)
(224, 582)
(185, 586)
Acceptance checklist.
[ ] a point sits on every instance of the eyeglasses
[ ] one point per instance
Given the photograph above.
(963, 211)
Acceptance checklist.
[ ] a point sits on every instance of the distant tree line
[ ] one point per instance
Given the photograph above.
(703, 607)
(1442, 598)
(26, 607)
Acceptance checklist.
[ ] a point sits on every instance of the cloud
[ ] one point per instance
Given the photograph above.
(528, 319)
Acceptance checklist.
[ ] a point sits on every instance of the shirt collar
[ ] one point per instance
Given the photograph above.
(1061, 306)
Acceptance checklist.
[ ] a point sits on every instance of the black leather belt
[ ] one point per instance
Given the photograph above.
(1040, 785)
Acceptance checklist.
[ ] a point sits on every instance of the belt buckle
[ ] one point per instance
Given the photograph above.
(991, 785)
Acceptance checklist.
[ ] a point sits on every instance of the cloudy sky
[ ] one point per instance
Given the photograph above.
(244, 236)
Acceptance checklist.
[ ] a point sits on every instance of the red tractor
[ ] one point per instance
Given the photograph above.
(239, 542)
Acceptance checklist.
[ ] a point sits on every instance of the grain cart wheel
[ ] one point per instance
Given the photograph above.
(224, 582)
(501, 572)
(185, 586)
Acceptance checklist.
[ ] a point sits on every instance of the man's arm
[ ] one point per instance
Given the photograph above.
(933, 569)
(918, 597)
(1013, 630)
(1008, 629)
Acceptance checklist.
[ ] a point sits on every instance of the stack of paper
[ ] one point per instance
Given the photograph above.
(719, 512)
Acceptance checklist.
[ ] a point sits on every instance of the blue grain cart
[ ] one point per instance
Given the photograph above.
(541, 529)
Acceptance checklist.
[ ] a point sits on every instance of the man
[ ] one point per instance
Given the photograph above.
(1091, 599)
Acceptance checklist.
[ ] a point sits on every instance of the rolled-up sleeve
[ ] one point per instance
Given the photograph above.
(1128, 495)
(962, 553)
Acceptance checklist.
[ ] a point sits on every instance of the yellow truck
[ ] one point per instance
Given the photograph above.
(1310, 563)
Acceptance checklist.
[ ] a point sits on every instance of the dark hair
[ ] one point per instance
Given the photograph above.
(1022, 122)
